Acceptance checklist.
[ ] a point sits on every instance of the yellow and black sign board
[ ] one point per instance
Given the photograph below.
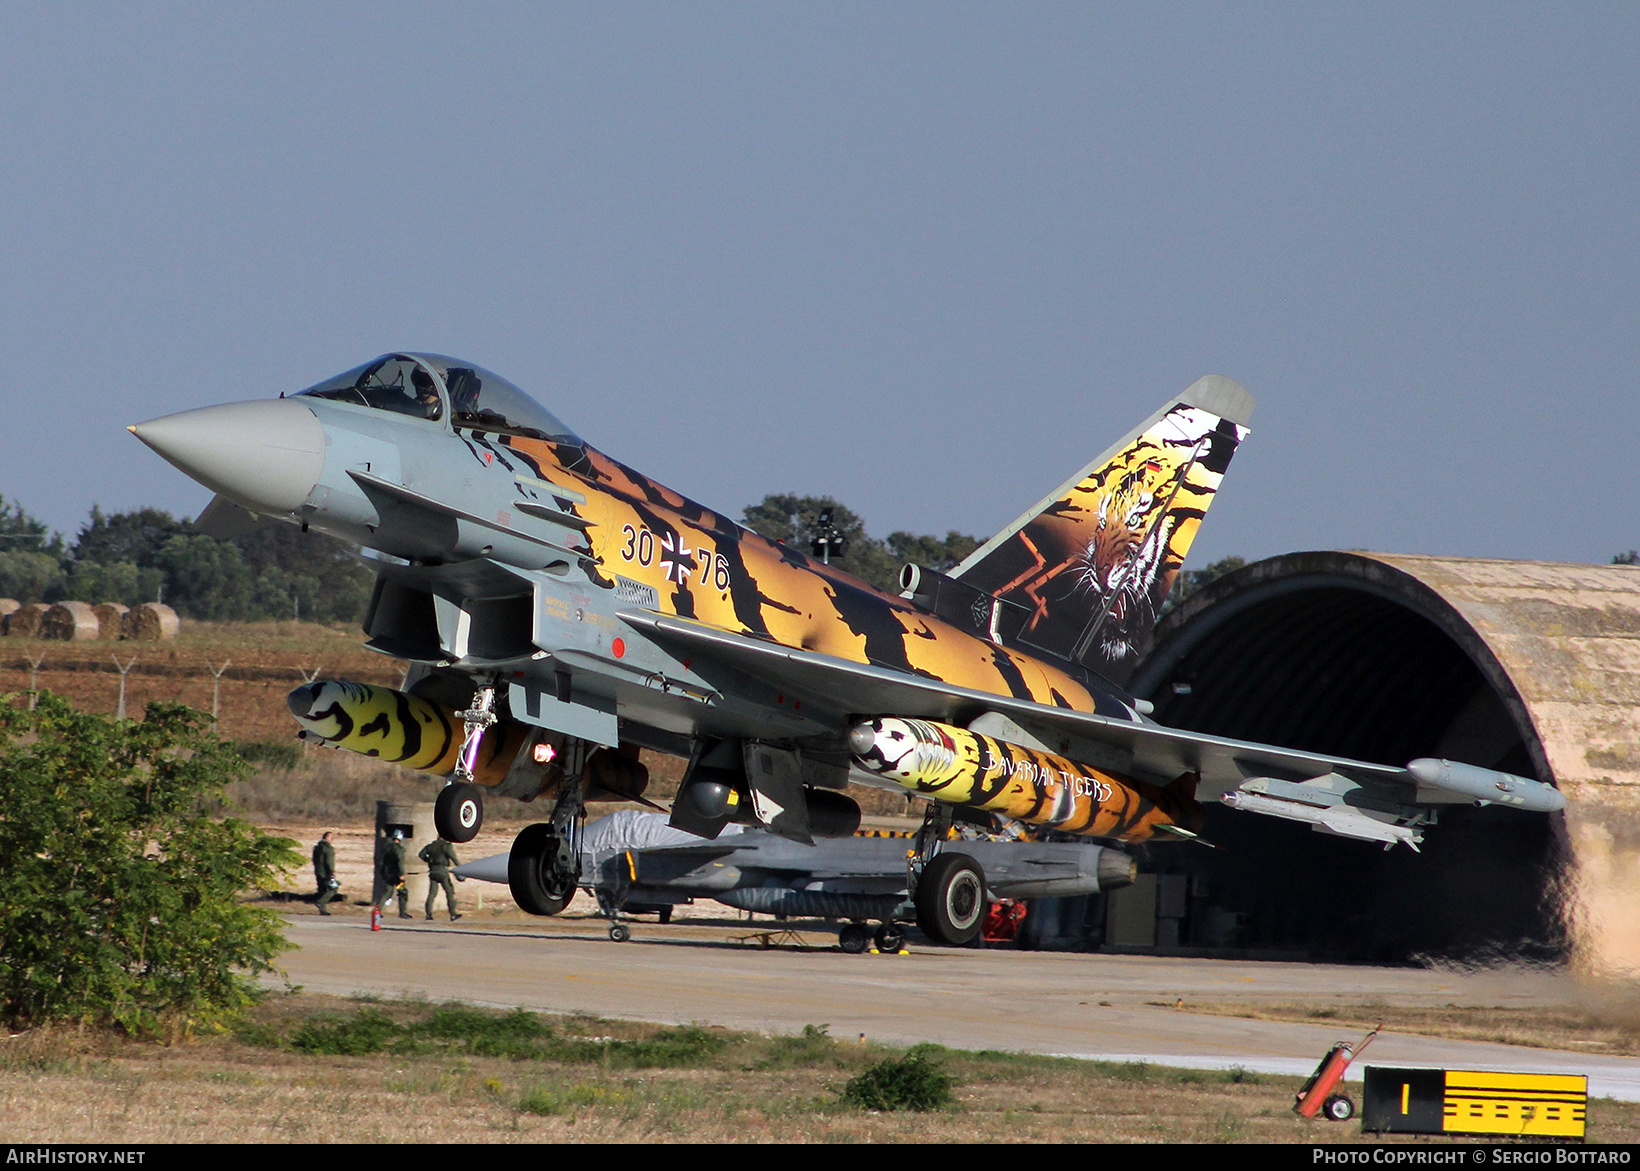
(1463, 1101)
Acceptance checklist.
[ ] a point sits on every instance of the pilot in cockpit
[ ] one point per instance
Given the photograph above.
(426, 393)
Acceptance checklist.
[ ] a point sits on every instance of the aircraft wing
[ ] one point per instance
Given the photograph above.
(1142, 748)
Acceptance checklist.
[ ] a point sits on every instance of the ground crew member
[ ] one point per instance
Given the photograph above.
(440, 856)
(392, 875)
(324, 871)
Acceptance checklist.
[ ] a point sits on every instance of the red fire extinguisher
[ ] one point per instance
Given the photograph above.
(1317, 1096)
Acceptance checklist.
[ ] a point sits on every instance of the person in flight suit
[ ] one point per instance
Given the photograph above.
(440, 857)
(392, 875)
(324, 871)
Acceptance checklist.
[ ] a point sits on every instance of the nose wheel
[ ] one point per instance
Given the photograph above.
(458, 814)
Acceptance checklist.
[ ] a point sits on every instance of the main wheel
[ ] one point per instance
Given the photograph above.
(853, 938)
(530, 872)
(620, 933)
(951, 899)
(890, 937)
(458, 814)
(1338, 1108)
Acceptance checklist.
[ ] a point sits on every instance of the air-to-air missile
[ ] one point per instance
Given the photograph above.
(966, 768)
(1485, 785)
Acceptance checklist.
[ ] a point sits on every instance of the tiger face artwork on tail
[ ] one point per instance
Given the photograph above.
(1121, 566)
(1090, 566)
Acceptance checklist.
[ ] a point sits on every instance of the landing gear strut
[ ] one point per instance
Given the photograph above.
(458, 814)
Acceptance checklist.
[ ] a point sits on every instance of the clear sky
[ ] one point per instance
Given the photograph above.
(929, 259)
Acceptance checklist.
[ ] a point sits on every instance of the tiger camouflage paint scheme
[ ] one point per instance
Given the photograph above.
(562, 612)
(1116, 534)
(1116, 537)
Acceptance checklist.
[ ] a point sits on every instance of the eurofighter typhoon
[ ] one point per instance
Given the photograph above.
(562, 611)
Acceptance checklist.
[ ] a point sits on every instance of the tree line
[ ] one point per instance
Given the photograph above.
(146, 555)
(277, 571)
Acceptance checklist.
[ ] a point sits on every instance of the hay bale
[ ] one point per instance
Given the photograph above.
(7, 606)
(151, 622)
(69, 622)
(24, 622)
(111, 619)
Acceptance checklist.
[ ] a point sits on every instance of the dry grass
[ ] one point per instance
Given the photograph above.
(97, 1088)
(1608, 1022)
(327, 787)
(267, 660)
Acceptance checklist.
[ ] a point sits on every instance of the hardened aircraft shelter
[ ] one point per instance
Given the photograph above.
(1528, 667)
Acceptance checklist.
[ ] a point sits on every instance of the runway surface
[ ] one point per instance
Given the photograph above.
(1089, 1006)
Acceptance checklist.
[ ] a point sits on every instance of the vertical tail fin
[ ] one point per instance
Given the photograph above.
(1085, 571)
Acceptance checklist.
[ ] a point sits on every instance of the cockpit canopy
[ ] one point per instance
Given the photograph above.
(431, 386)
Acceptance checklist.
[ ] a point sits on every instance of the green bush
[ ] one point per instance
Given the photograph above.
(912, 1082)
(120, 895)
(519, 1035)
(678, 1048)
(368, 1031)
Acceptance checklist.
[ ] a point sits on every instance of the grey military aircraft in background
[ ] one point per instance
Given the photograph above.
(563, 611)
(638, 862)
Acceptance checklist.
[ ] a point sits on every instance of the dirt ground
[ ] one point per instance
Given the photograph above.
(95, 1088)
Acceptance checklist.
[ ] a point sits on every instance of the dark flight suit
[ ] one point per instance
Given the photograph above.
(324, 873)
(440, 856)
(393, 878)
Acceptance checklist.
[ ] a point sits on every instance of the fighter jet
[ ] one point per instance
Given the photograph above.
(563, 611)
(636, 862)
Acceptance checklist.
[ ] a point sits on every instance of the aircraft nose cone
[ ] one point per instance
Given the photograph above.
(264, 455)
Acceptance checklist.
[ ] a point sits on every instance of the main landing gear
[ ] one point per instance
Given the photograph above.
(951, 899)
(458, 814)
(947, 888)
(545, 864)
(854, 938)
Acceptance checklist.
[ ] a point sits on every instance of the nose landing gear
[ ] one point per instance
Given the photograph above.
(458, 814)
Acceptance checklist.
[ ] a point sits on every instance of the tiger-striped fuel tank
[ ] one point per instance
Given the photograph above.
(960, 767)
(399, 727)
